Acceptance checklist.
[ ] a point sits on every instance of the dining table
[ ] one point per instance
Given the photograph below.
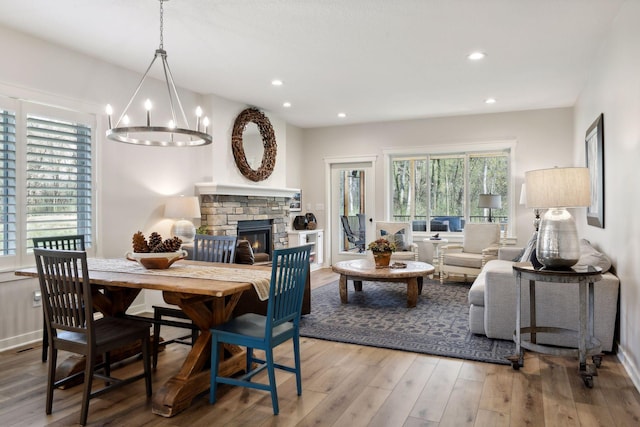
(206, 292)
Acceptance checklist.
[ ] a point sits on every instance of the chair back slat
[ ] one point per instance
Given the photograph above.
(64, 243)
(288, 276)
(64, 285)
(214, 248)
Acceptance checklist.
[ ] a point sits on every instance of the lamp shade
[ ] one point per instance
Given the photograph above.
(523, 194)
(182, 207)
(493, 201)
(558, 188)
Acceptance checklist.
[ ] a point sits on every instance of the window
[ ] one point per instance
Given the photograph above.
(439, 192)
(46, 163)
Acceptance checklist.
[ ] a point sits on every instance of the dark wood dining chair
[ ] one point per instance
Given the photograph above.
(254, 331)
(68, 243)
(68, 308)
(205, 248)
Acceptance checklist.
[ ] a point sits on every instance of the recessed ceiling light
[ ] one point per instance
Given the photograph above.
(276, 82)
(342, 115)
(286, 104)
(476, 56)
(490, 101)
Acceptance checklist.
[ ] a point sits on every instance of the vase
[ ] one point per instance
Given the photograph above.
(382, 259)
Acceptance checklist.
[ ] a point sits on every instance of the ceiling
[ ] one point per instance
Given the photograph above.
(374, 60)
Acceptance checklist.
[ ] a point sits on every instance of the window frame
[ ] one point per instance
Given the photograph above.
(452, 149)
(23, 108)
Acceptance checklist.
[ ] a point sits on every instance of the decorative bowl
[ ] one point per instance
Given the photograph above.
(156, 260)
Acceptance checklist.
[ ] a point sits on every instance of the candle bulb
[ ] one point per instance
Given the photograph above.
(205, 122)
(109, 111)
(198, 115)
(147, 106)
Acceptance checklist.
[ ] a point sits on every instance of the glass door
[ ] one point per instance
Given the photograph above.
(351, 209)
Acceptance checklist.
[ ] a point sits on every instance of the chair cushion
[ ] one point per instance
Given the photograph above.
(480, 236)
(399, 238)
(461, 259)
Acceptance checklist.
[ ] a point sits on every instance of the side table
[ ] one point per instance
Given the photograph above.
(436, 252)
(588, 344)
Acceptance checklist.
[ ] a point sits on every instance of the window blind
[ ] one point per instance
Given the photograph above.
(58, 178)
(7, 182)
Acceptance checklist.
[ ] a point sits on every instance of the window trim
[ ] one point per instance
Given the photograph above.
(390, 154)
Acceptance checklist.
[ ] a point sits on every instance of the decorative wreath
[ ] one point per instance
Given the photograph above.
(268, 141)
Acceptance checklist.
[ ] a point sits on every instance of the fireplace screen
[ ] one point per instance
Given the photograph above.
(258, 233)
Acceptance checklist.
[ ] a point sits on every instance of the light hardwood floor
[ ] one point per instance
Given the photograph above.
(348, 385)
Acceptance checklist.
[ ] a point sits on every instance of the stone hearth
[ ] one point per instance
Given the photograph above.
(221, 213)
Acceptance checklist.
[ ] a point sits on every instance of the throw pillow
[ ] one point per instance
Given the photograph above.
(399, 238)
(529, 249)
(244, 253)
(590, 256)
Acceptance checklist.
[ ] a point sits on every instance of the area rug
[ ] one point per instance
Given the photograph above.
(378, 316)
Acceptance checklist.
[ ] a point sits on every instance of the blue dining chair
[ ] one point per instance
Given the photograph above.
(281, 323)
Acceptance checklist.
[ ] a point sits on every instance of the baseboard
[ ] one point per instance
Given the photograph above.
(21, 340)
(629, 366)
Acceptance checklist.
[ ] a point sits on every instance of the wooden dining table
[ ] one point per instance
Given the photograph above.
(206, 298)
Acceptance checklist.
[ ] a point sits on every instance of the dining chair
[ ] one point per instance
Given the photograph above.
(68, 308)
(205, 248)
(70, 243)
(257, 332)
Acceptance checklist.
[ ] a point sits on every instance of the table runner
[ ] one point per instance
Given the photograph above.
(260, 279)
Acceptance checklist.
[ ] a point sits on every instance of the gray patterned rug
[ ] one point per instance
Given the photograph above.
(378, 317)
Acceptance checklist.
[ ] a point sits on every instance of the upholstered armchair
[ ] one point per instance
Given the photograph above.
(480, 244)
(401, 234)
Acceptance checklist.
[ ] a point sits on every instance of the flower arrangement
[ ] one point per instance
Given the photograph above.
(382, 245)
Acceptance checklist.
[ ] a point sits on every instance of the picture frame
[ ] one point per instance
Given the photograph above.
(295, 203)
(594, 148)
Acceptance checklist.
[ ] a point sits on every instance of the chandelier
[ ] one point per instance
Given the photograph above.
(175, 133)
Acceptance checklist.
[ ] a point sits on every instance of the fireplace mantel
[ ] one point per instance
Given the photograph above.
(244, 190)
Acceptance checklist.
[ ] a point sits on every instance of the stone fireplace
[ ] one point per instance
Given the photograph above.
(225, 207)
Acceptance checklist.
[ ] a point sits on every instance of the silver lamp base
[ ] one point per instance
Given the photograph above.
(185, 230)
(558, 247)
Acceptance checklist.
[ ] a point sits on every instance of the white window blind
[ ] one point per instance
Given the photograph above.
(58, 178)
(7, 182)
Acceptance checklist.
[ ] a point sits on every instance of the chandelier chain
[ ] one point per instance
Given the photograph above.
(161, 25)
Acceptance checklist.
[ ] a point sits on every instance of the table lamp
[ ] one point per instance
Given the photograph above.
(558, 247)
(523, 202)
(183, 209)
(490, 201)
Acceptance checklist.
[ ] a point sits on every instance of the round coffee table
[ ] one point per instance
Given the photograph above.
(359, 270)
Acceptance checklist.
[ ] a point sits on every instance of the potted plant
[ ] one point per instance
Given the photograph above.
(382, 249)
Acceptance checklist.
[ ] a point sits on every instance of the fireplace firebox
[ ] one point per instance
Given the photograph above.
(258, 233)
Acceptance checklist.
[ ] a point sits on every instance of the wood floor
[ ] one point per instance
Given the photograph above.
(347, 385)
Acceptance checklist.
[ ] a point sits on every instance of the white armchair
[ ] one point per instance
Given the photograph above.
(401, 234)
(479, 245)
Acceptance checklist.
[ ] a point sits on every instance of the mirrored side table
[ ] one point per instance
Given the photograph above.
(587, 344)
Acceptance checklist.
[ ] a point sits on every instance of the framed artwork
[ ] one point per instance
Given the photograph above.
(594, 145)
(295, 204)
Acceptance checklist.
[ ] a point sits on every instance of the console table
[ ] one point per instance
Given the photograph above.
(587, 343)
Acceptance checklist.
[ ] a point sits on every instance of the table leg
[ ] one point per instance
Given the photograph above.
(194, 376)
(582, 343)
(343, 289)
(532, 310)
(357, 285)
(412, 292)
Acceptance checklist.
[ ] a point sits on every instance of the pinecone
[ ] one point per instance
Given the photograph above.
(169, 245)
(140, 243)
(155, 240)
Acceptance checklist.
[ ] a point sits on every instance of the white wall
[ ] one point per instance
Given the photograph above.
(614, 89)
(132, 183)
(543, 139)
